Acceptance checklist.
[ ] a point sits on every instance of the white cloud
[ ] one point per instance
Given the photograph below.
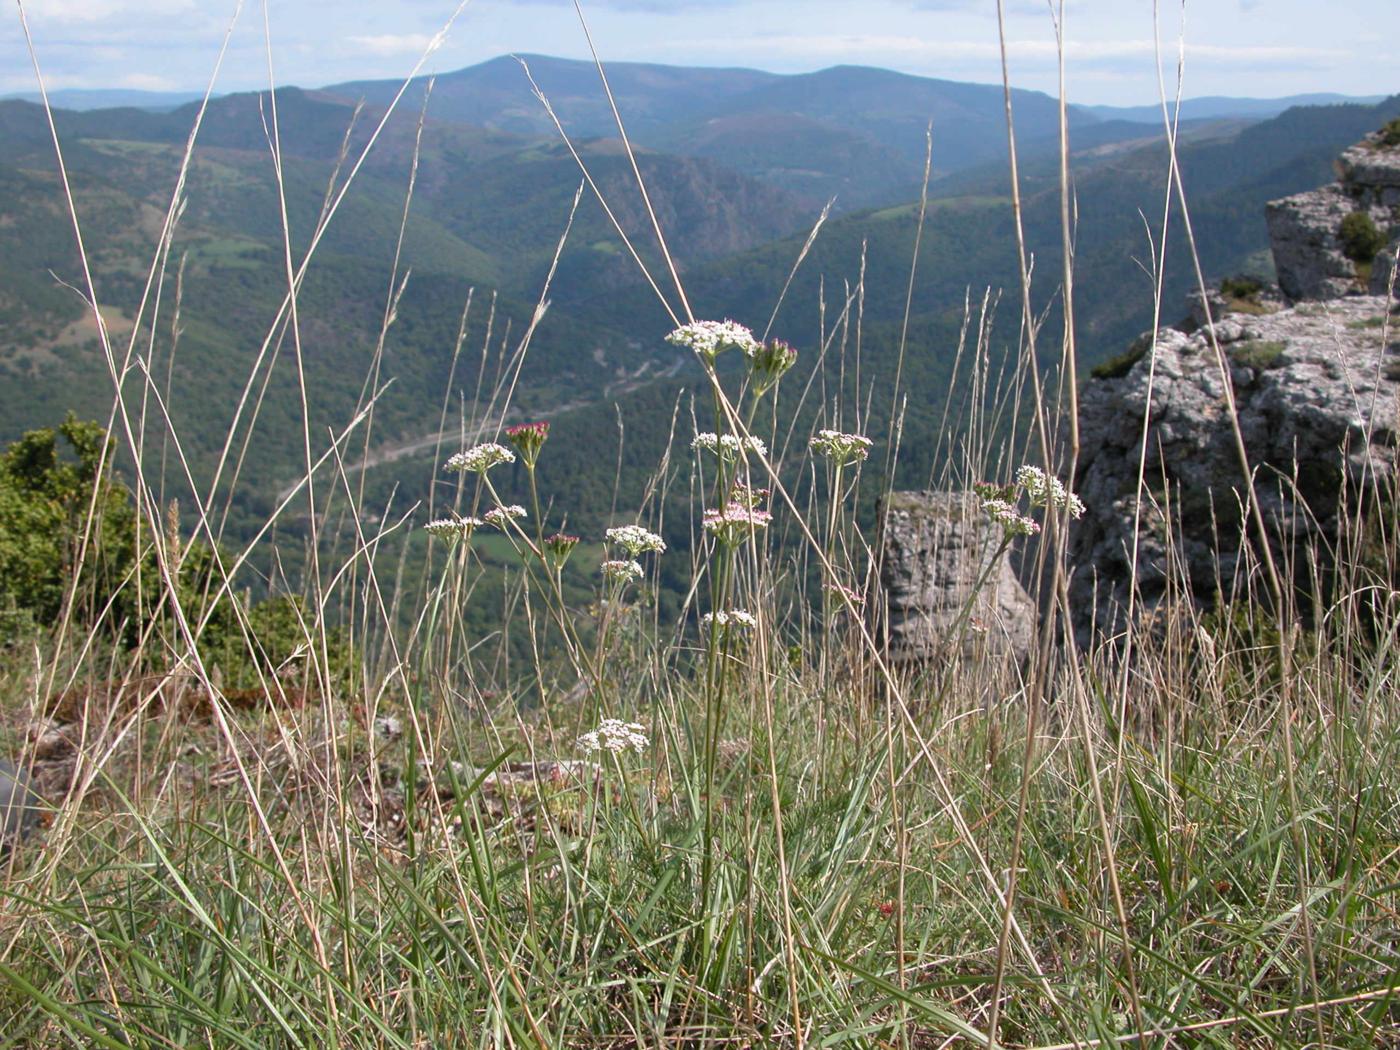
(87, 11)
(1282, 47)
(392, 43)
(853, 45)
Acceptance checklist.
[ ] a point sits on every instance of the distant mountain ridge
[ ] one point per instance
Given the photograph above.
(806, 132)
(108, 98)
(736, 188)
(853, 133)
(1215, 107)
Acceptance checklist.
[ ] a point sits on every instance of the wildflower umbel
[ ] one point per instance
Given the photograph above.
(736, 522)
(559, 546)
(1046, 491)
(623, 571)
(615, 736)
(729, 619)
(770, 364)
(528, 439)
(498, 516)
(480, 458)
(1011, 521)
(453, 528)
(636, 540)
(841, 448)
(711, 338)
(727, 446)
(746, 496)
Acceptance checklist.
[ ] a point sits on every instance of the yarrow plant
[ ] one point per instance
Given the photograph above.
(559, 547)
(1046, 491)
(727, 619)
(747, 496)
(1041, 490)
(636, 540)
(621, 570)
(528, 439)
(498, 516)
(728, 445)
(770, 364)
(615, 736)
(480, 458)
(735, 522)
(711, 338)
(453, 528)
(841, 448)
(1012, 522)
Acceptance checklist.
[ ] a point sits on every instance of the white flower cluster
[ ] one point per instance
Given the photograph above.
(729, 445)
(710, 338)
(732, 618)
(735, 522)
(616, 736)
(453, 528)
(1045, 491)
(636, 540)
(480, 458)
(623, 571)
(498, 516)
(1011, 522)
(841, 448)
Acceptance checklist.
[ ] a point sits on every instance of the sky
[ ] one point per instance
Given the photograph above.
(1256, 48)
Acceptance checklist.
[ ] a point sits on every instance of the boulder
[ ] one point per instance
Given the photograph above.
(935, 547)
(19, 806)
(1317, 393)
(1307, 251)
(1304, 229)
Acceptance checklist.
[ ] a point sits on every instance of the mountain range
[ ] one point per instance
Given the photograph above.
(737, 164)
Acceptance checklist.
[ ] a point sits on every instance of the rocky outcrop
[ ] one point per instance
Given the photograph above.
(1315, 377)
(1313, 369)
(1317, 394)
(936, 546)
(1313, 257)
(19, 806)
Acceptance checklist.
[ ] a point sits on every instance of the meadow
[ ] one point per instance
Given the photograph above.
(660, 782)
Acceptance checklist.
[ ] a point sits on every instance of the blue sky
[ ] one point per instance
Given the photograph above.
(1261, 48)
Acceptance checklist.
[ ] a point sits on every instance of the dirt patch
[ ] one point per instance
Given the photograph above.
(104, 747)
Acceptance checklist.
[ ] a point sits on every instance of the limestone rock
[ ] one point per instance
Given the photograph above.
(1372, 171)
(19, 806)
(1304, 228)
(1307, 252)
(936, 545)
(1317, 392)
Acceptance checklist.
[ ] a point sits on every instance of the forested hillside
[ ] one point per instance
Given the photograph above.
(488, 210)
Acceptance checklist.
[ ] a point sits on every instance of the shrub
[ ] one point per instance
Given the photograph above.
(51, 496)
(1360, 238)
(1390, 133)
(1258, 353)
(1120, 365)
(48, 498)
(1241, 286)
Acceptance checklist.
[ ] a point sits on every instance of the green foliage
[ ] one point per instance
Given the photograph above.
(56, 488)
(1360, 238)
(1121, 364)
(1241, 286)
(281, 640)
(1390, 133)
(1258, 353)
(50, 497)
